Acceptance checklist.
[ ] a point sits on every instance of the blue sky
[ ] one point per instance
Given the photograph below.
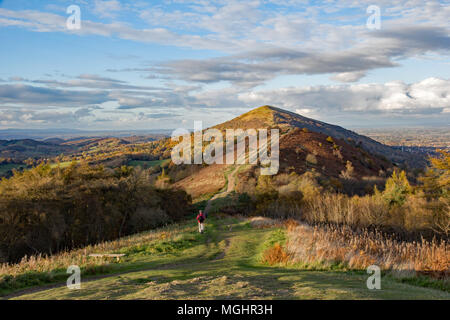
(164, 64)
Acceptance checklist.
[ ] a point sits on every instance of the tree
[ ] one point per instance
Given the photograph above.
(397, 189)
(435, 186)
(44, 210)
(163, 180)
(436, 180)
(349, 171)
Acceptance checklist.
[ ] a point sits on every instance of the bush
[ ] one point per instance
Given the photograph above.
(397, 189)
(45, 210)
(311, 159)
(275, 255)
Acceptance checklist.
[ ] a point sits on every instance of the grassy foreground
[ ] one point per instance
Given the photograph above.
(222, 263)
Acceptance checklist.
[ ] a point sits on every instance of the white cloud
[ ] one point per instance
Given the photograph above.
(257, 44)
(424, 100)
(107, 9)
(348, 76)
(427, 97)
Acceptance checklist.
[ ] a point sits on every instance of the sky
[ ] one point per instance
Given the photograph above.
(165, 64)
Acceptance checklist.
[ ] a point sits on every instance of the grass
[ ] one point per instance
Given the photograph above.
(339, 247)
(219, 203)
(203, 199)
(44, 270)
(4, 168)
(62, 165)
(152, 163)
(226, 173)
(177, 262)
(223, 196)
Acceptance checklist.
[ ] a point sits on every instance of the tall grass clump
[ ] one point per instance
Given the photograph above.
(340, 244)
(41, 269)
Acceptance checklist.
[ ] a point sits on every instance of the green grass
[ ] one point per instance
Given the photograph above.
(203, 199)
(222, 263)
(4, 168)
(152, 163)
(278, 235)
(62, 165)
(219, 203)
(226, 173)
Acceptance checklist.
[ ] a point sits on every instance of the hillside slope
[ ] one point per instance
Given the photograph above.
(26, 148)
(302, 148)
(300, 151)
(224, 263)
(272, 117)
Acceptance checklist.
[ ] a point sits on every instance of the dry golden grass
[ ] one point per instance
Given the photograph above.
(263, 222)
(340, 244)
(80, 257)
(275, 255)
(207, 180)
(416, 214)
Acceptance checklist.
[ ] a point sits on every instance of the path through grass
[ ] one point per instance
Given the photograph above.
(222, 263)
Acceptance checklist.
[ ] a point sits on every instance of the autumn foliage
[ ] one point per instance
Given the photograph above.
(44, 210)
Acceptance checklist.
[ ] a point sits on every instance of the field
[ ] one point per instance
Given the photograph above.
(225, 262)
(61, 165)
(4, 168)
(148, 164)
(418, 137)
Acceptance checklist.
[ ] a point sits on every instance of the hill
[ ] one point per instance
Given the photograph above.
(272, 117)
(28, 148)
(302, 150)
(305, 145)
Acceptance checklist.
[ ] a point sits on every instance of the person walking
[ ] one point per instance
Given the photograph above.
(201, 219)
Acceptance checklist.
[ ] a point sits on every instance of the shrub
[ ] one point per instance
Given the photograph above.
(311, 159)
(397, 189)
(349, 171)
(275, 255)
(45, 211)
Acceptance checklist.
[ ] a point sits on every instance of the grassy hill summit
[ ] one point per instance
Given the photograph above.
(272, 117)
(305, 145)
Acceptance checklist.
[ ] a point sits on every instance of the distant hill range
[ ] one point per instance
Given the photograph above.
(21, 149)
(64, 134)
(300, 137)
(28, 148)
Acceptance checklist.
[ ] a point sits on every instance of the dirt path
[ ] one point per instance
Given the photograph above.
(231, 178)
(225, 266)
